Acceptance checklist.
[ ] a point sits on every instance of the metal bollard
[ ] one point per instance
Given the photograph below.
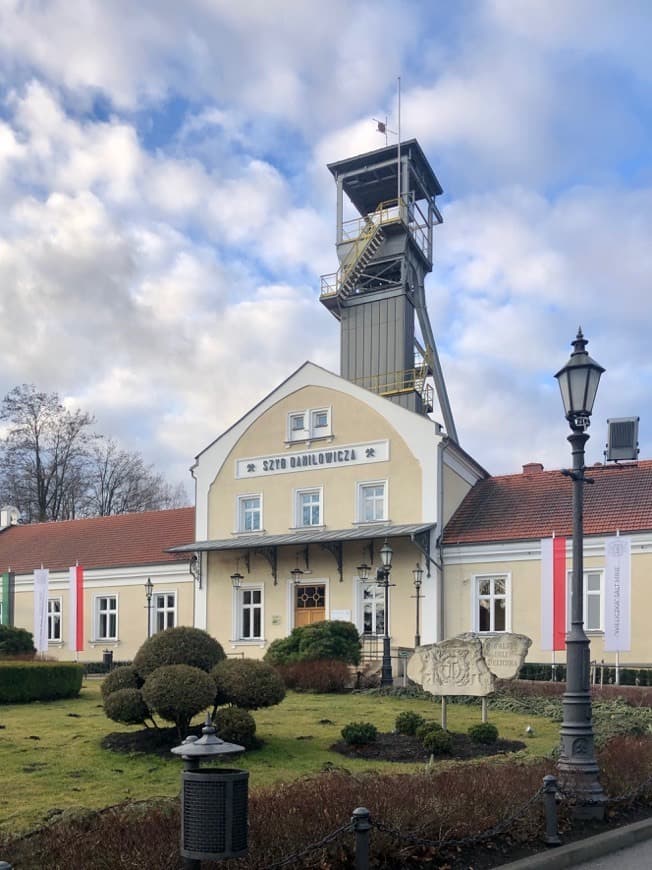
(551, 837)
(361, 826)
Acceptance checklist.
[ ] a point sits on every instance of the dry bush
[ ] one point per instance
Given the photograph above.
(328, 675)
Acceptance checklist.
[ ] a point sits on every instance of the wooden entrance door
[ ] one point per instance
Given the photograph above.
(309, 603)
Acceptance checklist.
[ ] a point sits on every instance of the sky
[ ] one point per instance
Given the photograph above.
(166, 211)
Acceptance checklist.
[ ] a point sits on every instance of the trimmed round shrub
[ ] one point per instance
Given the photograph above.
(126, 706)
(16, 641)
(178, 646)
(124, 677)
(330, 639)
(483, 732)
(235, 725)
(425, 728)
(437, 742)
(319, 676)
(359, 733)
(247, 683)
(408, 721)
(177, 693)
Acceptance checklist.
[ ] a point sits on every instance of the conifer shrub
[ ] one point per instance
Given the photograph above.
(359, 733)
(426, 728)
(247, 683)
(318, 676)
(16, 642)
(183, 645)
(235, 725)
(124, 677)
(330, 639)
(437, 741)
(408, 721)
(483, 732)
(126, 706)
(177, 693)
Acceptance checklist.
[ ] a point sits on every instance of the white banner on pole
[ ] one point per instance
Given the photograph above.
(617, 594)
(41, 579)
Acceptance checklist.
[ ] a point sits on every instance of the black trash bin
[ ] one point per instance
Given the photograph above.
(107, 659)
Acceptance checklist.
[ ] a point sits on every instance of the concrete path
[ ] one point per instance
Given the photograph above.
(626, 848)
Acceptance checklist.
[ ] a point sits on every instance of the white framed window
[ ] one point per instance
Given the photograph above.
(249, 613)
(250, 513)
(372, 501)
(593, 600)
(164, 610)
(373, 608)
(106, 617)
(492, 603)
(309, 424)
(309, 507)
(54, 619)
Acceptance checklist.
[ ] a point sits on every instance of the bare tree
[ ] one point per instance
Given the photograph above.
(43, 453)
(119, 482)
(53, 467)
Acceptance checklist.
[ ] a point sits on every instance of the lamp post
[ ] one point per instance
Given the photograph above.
(149, 588)
(417, 573)
(578, 769)
(382, 579)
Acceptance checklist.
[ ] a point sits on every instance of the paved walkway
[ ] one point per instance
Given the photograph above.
(626, 848)
(638, 857)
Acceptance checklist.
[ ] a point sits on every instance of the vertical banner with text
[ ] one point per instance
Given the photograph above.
(617, 594)
(41, 580)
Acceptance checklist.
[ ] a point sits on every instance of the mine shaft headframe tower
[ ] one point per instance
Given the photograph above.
(384, 255)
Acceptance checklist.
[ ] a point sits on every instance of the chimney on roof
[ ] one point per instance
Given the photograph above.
(531, 468)
(9, 516)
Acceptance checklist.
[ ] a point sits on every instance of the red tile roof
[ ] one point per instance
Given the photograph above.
(99, 542)
(537, 503)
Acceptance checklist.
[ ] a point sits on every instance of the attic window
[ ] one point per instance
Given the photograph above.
(309, 424)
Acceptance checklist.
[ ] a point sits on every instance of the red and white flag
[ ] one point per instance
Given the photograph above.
(76, 596)
(553, 593)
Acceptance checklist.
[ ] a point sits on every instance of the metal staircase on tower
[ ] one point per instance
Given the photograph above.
(385, 253)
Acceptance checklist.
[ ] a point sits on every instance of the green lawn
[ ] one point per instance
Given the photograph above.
(51, 758)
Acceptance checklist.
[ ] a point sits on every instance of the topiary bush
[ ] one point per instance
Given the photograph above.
(330, 639)
(178, 646)
(319, 676)
(235, 725)
(126, 706)
(359, 733)
(247, 683)
(437, 741)
(16, 641)
(483, 732)
(408, 721)
(177, 693)
(124, 677)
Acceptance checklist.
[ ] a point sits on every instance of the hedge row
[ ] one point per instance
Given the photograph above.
(39, 681)
(605, 674)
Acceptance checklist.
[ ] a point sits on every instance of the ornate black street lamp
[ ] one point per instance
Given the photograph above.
(578, 769)
(149, 588)
(417, 573)
(382, 579)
